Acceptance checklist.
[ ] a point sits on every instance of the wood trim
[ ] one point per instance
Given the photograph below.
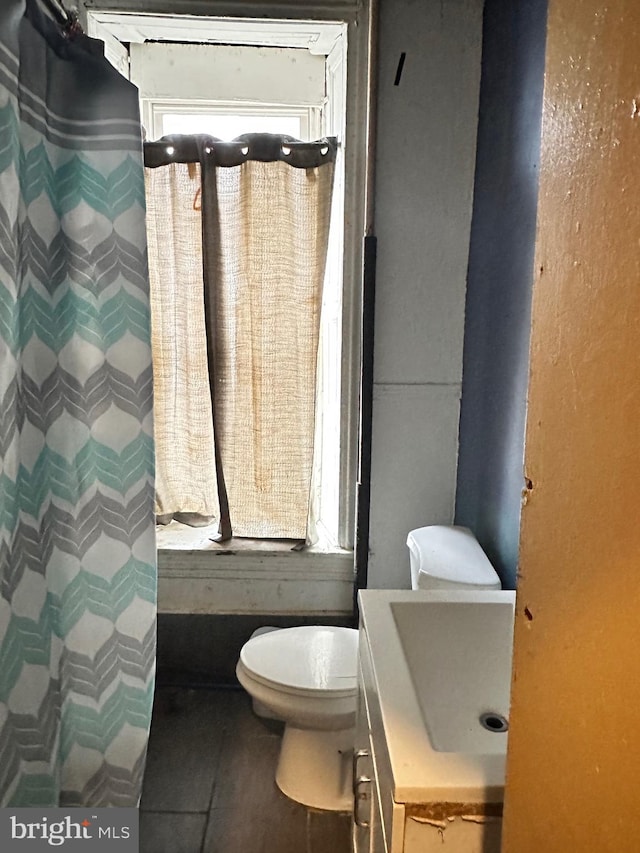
(246, 582)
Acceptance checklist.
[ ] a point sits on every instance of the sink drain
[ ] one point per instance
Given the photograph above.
(493, 722)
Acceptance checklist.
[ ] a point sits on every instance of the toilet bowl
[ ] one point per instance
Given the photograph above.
(306, 677)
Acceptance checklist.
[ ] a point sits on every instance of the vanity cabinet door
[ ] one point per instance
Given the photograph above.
(373, 776)
(362, 776)
(368, 831)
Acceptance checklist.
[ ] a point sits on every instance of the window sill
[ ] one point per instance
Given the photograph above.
(198, 575)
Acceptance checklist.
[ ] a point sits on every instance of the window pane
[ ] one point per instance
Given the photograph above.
(227, 127)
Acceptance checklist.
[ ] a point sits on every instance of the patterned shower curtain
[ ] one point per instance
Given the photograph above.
(77, 542)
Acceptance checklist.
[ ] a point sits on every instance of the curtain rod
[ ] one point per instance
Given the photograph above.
(265, 147)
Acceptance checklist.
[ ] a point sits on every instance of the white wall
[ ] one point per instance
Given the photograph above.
(424, 184)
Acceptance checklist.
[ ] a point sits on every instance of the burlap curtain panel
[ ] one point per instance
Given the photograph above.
(238, 236)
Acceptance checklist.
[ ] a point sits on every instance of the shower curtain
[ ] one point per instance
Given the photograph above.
(77, 542)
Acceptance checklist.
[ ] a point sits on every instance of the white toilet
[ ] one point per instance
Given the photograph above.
(307, 677)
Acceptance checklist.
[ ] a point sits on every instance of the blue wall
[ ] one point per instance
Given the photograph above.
(498, 307)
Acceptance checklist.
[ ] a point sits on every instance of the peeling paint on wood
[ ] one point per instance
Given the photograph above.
(445, 811)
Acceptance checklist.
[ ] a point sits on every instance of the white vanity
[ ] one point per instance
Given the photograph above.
(428, 772)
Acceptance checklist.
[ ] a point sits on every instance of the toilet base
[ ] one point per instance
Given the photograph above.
(314, 768)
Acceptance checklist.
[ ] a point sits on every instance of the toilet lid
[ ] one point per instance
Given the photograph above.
(310, 659)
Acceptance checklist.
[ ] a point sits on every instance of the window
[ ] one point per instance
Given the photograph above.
(227, 121)
(270, 103)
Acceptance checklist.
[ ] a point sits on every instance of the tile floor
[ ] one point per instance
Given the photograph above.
(209, 783)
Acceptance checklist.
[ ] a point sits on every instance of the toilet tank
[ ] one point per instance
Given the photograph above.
(446, 557)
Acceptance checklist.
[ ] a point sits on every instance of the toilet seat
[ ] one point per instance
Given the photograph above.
(313, 660)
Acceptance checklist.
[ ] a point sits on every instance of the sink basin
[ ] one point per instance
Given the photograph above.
(459, 660)
(439, 661)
